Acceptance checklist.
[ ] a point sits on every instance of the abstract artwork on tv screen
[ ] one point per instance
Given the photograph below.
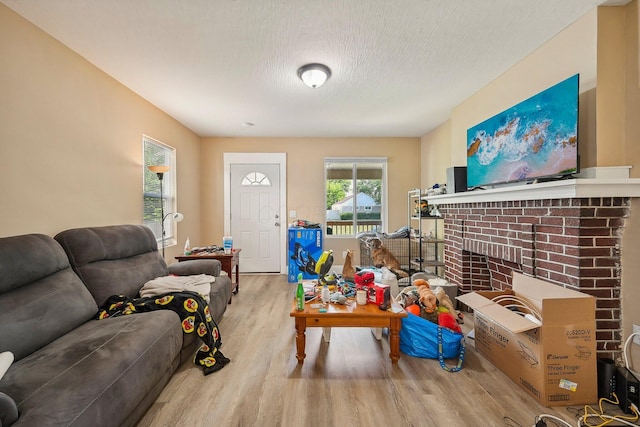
(533, 139)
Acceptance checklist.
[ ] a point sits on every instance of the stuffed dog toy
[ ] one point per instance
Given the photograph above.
(427, 298)
(444, 300)
(408, 296)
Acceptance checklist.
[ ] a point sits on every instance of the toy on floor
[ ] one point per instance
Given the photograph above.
(434, 306)
(448, 320)
(444, 300)
(413, 309)
(427, 298)
(407, 296)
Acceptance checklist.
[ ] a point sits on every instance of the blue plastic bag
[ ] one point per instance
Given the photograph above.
(422, 338)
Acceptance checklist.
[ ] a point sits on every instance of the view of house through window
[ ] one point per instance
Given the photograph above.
(355, 195)
(157, 153)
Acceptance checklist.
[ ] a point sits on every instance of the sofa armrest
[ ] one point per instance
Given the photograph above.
(8, 407)
(8, 410)
(196, 266)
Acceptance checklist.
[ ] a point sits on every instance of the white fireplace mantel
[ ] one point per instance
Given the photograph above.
(562, 189)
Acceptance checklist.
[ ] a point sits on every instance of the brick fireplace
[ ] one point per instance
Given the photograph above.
(555, 233)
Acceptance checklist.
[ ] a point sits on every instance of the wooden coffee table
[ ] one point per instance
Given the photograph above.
(348, 315)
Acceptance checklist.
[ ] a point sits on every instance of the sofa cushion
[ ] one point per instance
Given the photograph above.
(98, 373)
(212, 267)
(113, 260)
(220, 296)
(36, 283)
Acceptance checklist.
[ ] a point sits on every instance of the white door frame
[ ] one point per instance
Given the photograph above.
(245, 158)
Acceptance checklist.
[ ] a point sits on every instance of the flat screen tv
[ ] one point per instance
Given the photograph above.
(537, 138)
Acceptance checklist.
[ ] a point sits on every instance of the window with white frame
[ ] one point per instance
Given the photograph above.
(157, 203)
(355, 195)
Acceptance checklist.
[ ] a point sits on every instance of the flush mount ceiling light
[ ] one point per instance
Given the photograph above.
(314, 75)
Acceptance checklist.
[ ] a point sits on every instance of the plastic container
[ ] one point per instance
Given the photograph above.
(326, 295)
(227, 244)
(389, 278)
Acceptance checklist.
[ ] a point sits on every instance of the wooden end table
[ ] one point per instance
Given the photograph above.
(348, 315)
(227, 262)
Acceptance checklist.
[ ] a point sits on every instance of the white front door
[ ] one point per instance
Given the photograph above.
(256, 215)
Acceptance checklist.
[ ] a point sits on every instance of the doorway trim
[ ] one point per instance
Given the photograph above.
(259, 158)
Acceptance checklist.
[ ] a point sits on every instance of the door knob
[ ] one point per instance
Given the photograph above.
(277, 224)
(277, 216)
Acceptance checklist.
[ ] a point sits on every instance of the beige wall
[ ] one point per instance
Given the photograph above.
(632, 86)
(305, 177)
(610, 104)
(70, 141)
(436, 152)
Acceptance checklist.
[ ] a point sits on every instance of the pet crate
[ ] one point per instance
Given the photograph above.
(399, 248)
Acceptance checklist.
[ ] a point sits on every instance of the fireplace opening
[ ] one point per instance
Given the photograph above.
(488, 273)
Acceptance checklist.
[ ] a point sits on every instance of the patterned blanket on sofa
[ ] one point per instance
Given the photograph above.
(194, 314)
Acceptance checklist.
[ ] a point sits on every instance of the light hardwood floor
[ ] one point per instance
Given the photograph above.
(347, 382)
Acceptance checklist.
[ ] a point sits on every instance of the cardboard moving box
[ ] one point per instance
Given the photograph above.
(554, 358)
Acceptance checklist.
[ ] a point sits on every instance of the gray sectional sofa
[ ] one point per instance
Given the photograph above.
(72, 370)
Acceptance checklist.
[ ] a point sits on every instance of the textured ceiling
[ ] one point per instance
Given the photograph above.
(399, 67)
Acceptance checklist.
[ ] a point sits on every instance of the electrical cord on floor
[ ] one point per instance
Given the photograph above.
(510, 422)
(540, 421)
(605, 420)
(625, 351)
